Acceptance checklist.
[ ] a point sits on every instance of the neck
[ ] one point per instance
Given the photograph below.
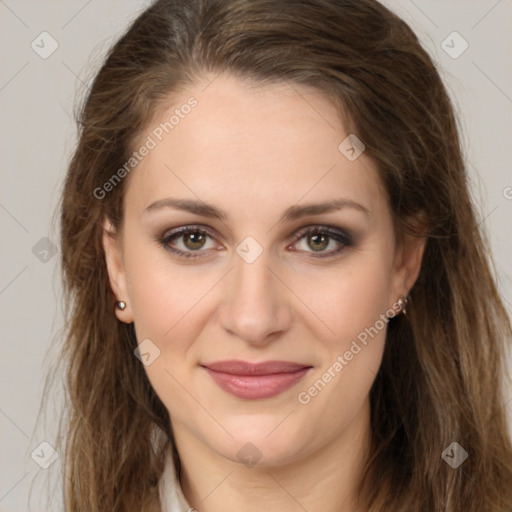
(327, 479)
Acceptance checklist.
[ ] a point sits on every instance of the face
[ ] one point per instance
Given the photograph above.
(263, 318)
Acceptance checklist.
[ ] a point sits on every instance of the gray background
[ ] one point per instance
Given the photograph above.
(37, 98)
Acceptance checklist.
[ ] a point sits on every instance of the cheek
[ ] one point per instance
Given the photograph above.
(352, 304)
(346, 300)
(163, 294)
(168, 303)
(171, 305)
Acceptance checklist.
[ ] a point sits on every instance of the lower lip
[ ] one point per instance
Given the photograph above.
(255, 387)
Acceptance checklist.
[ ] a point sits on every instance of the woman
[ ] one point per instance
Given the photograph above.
(279, 292)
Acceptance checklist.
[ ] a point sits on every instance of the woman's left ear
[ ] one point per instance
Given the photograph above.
(408, 258)
(116, 272)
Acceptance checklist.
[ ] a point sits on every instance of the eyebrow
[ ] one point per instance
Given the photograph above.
(292, 213)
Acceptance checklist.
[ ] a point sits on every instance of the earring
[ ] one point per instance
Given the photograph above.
(403, 304)
(121, 305)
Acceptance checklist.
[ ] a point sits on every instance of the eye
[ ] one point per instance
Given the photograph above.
(190, 239)
(319, 238)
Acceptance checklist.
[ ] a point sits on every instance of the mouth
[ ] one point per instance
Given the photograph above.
(254, 381)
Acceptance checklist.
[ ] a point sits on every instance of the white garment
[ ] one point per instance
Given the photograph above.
(169, 488)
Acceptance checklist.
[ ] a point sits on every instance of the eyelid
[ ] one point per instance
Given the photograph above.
(177, 232)
(323, 228)
(339, 235)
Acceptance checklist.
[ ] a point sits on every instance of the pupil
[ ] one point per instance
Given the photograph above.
(196, 240)
(323, 243)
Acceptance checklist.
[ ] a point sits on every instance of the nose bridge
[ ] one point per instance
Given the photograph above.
(253, 280)
(253, 307)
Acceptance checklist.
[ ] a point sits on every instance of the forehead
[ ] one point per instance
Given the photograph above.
(247, 144)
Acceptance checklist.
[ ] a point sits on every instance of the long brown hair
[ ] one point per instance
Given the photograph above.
(443, 371)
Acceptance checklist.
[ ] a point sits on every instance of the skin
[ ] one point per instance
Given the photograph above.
(254, 152)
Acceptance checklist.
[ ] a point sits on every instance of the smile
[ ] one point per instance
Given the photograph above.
(256, 381)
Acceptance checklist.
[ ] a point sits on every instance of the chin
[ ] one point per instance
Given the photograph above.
(265, 440)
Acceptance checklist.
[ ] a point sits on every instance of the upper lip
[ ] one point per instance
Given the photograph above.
(235, 367)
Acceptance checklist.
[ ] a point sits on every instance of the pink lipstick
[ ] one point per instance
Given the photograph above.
(253, 381)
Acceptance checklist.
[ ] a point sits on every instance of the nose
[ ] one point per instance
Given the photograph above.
(255, 307)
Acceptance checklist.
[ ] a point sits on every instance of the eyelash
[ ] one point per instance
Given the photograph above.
(339, 236)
